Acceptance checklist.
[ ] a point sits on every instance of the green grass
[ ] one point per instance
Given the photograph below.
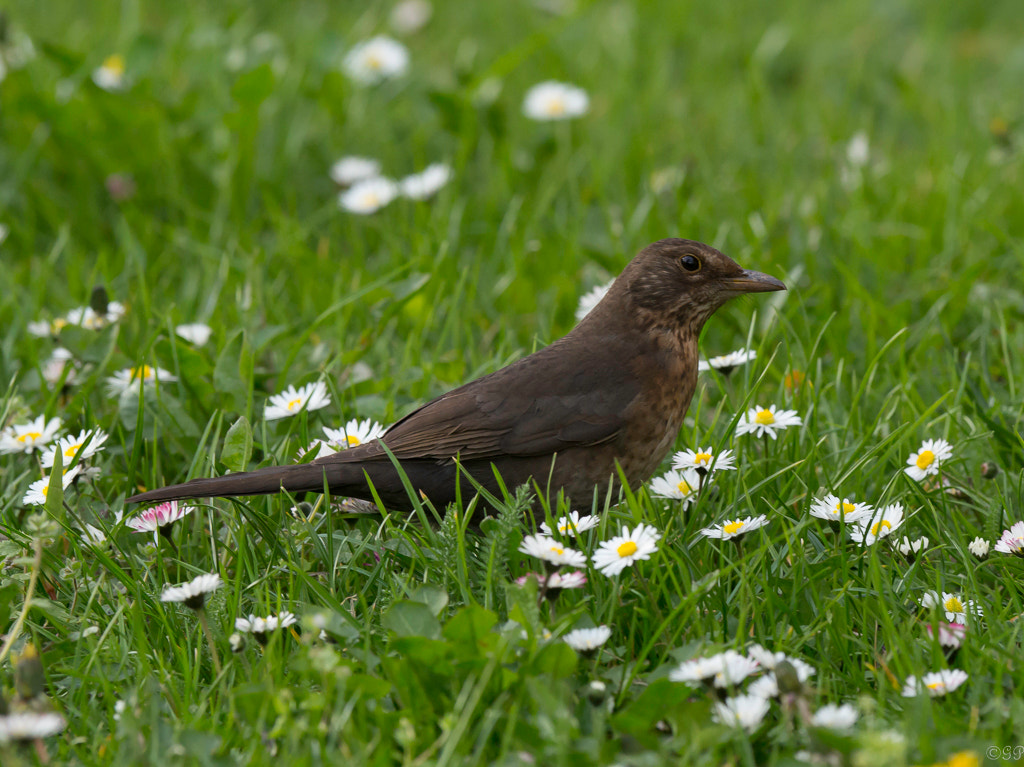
(723, 123)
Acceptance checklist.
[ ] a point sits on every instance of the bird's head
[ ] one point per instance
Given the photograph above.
(682, 282)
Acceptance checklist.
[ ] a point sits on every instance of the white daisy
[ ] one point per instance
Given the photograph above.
(375, 60)
(833, 717)
(744, 711)
(950, 635)
(70, 447)
(29, 725)
(559, 580)
(319, 448)
(911, 549)
(548, 549)
(698, 670)
(928, 459)
(735, 668)
(410, 16)
(131, 379)
(734, 528)
(195, 333)
(587, 640)
(26, 437)
(110, 75)
(158, 517)
(615, 555)
(591, 299)
(426, 183)
(760, 421)
(1012, 540)
(349, 170)
(726, 362)
(878, 525)
(369, 196)
(573, 524)
(679, 485)
(261, 627)
(834, 510)
(704, 460)
(53, 368)
(770, 660)
(552, 100)
(354, 433)
(935, 684)
(858, 150)
(36, 494)
(193, 594)
(955, 606)
(292, 401)
(766, 686)
(979, 547)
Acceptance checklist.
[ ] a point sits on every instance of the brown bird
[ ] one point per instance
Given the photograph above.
(612, 393)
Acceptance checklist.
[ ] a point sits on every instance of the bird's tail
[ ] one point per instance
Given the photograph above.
(295, 479)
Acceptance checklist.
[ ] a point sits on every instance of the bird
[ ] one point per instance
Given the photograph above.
(602, 404)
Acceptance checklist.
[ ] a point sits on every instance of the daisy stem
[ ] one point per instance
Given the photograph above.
(201, 612)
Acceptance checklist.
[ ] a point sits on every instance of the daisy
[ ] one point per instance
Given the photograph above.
(193, 593)
(698, 670)
(291, 401)
(679, 485)
(936, 684)
(195, 333)
(573, 524)
(426, 183)
(878, 525)
(368, 196)
(833, 717)
(833, 510)
(319, 448)
(376, 60)
(623, 550)
(734, 528)
(768, 685)
(735, 668)
(349, 170)
(1012, 540)
(261, 627)
(552, 100)
(53, 368)
(928, 459)
(36, 495)
(548, 549)
(29, 725)
(560, 580)
(950, 635)
(910, 549)
(727, 362)
(956, 607)
(76, 447)
(132, 379)
(44, 328)
(770, 660)
(704, 460)
(587, 640)
(159, 517)
(760, 421)
(410, 16)
(354, 433)
(858, 150)
(979, 547)
(110, 75)
(591, 299)
(744, 711)
(26, 437)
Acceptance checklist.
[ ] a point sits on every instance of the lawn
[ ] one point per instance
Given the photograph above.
(166, 164)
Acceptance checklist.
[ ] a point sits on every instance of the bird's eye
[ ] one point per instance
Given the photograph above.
(690, 263)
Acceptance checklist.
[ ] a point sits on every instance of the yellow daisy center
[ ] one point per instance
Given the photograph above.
(145, 373)
(373, 61)
(847, 508)
(936, 685)
(883, 525)
(556, 107)
(45, 490)
(733, 527)
(925, 459)
(114, 64)
(371, 200)
(702, 458)
(29, 436)
(626, 549)
(684, 487)
(954, 605)
(558, 550)
(353, 441)
(295, 404)
(71, 450)
(764, 417)
(59, 323)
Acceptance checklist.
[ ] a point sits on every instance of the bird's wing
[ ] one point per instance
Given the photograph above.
(532, 407)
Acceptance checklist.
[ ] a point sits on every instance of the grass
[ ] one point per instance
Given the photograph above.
(719, 123)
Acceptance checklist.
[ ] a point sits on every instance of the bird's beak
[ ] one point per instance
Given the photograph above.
(753, 282)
